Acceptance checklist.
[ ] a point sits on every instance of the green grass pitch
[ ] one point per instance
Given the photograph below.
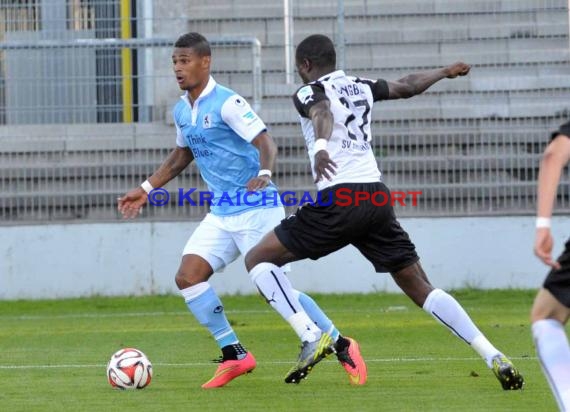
(53, 356)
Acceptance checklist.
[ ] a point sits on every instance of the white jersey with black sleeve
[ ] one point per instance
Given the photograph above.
(351, 99)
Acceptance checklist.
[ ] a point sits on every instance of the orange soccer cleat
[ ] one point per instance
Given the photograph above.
(229, 370)
(353, 363)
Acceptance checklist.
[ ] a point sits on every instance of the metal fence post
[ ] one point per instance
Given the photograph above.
(340, 39)
(288, 29)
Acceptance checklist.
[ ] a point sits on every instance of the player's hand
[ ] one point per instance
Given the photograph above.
(258, 183)
(457, 69)
(543, 247)
(324, 166)
(130, 205)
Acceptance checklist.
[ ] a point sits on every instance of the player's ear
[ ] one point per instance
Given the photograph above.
(206, 62)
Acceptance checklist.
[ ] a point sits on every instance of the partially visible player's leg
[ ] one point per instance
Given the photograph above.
(548, 316)
(447, 311)
(317, 315)
(347, 349)
(390, 249)
(203, 254)
(250, 230)
(442, 306)
(264, 262)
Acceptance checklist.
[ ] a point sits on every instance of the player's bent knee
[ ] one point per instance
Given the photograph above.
(181, 281)
(185, 280)
(252, 258)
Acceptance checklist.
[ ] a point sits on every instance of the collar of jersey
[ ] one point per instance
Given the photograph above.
(207, 90)
(334, 75)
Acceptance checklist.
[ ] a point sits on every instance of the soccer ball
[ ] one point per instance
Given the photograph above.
(129, 368)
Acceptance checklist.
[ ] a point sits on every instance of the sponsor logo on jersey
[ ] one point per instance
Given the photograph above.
(206, 123)
(249, 117)
(305, 94)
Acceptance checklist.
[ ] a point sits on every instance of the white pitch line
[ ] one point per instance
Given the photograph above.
(181, 313)
(90, 315)
(193, 364)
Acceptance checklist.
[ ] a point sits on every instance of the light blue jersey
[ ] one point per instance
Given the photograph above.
(218, 130)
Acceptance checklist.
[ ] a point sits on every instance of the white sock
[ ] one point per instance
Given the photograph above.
(485, 349)
(301, 324)
(554, 354)
(277, 290)
(192, 292)
(447, 311)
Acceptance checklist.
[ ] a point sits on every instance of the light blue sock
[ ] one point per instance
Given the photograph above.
(207, 307)
(317, 315)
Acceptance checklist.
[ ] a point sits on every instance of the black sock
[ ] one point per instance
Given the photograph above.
(233, 352)
(341, 344)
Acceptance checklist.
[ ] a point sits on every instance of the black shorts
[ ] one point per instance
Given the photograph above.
(558, 281)
(316, 230)
(564, 129)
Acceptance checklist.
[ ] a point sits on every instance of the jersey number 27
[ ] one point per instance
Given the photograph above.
(358, 117)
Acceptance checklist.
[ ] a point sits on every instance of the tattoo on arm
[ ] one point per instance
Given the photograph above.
(414, 84)
(322, 119)
(174, 163)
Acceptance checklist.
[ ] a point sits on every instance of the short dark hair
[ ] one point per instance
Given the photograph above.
(318, 49)
(196, 42)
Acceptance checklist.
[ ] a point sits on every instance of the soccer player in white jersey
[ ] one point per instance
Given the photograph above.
(218, 130)
(335, 114)
(551, 308)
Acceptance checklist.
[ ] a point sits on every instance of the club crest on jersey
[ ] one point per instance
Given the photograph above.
(249, 117)
(206, 123)
(239, 102)
(305, 94)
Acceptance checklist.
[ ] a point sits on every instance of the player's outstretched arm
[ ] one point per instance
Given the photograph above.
(417, 83)
(131, 203)
(267, 153)
(556, 156)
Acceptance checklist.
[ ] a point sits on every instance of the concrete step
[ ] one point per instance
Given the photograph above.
(428, 144)
(119, 137)
(396, 159)
(253, 9)
(456, 107)
(91, 185)
(276, 75)
(433, 54)
(435, 163)
(82, 198)
(30, 157)
(424, 208)
(476, 82)
(100, 213)
(385, 28)
(17, 148)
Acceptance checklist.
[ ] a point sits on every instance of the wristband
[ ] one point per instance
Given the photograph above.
(542, 222)
(264, 172)
(147, 187)
(320, 144)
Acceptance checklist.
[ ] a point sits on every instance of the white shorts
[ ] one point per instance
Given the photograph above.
(221, 239)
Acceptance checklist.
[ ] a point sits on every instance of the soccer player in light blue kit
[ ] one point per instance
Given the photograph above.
(218, 129)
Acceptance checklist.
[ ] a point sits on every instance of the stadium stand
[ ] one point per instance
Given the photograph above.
(471, 145)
